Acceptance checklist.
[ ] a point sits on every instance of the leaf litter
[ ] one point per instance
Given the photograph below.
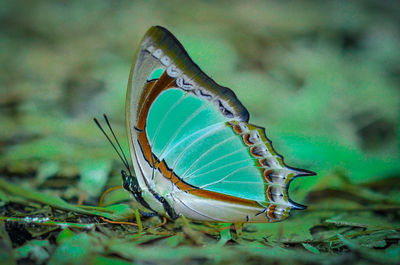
(335, 73)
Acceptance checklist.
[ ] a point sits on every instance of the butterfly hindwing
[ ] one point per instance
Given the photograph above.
(192, 143)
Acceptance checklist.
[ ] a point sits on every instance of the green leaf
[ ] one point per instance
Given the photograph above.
(114, 212)
(311, 248)
(74, 250)
(66, 234)
(37, 250)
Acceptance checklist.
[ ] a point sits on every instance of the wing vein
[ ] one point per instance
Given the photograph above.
(218, 128)
(221, 167)
(164, 118)
(227, 176)
(195, 162)
(194, 114)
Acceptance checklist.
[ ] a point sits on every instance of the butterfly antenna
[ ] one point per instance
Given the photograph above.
(113, 145)
(116, 140)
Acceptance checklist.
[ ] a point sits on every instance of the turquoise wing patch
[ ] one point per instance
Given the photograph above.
(156, 74)
(211, 152)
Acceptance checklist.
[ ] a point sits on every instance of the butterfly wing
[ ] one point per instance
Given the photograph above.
(191, 143)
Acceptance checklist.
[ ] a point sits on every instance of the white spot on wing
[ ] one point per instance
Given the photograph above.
(243, 127)
(173, 71)
(255, 137)
(165, 60)
(185, 83)
(200, 92)
(157, 53)
(150, 49)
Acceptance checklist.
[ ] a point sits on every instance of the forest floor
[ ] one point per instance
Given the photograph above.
(322, 77)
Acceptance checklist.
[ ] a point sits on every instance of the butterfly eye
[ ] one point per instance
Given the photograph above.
(173, 71)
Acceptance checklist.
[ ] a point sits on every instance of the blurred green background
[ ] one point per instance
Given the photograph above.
(321, 76)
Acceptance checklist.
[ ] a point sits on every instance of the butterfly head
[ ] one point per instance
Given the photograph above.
(130, 182)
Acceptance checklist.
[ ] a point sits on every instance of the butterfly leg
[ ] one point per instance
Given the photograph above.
(168, 209)
(147, 214)
(131, 184)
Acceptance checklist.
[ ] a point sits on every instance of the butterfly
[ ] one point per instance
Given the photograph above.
(193, 149)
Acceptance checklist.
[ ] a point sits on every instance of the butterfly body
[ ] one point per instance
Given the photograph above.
(193, 150)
